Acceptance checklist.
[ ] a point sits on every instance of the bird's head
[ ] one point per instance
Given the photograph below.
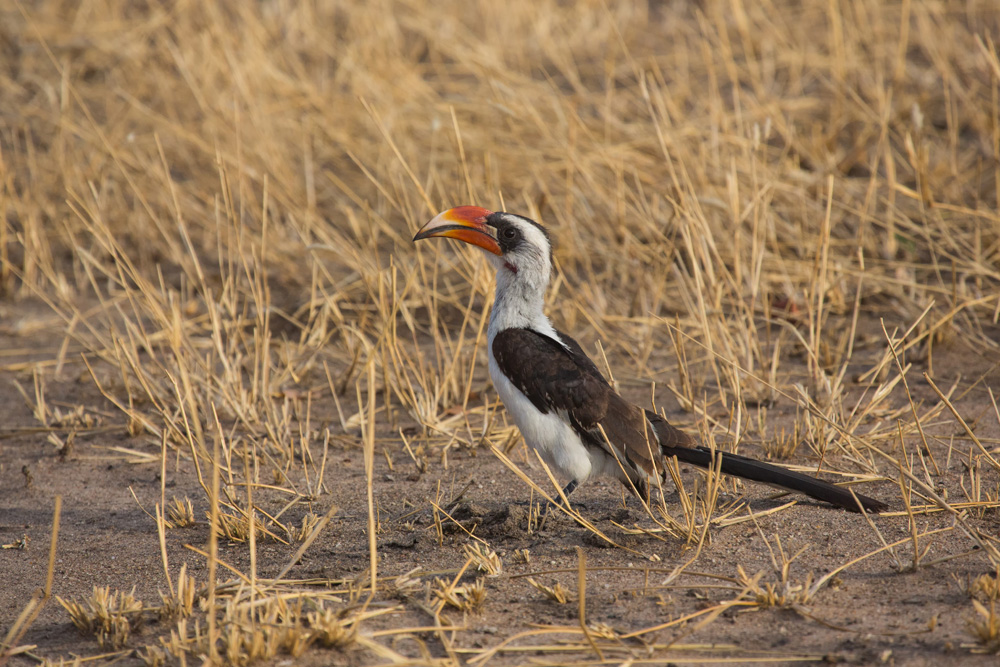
(519, 248)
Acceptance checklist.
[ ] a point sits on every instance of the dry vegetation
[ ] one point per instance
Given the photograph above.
(779, 218)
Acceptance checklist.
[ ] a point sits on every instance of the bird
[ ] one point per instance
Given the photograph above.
(563, 406)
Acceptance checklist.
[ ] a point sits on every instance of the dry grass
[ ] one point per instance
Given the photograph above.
(109, 616)
(217, 200)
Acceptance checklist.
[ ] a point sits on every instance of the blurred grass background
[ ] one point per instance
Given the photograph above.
(631, 129)
(703, 163)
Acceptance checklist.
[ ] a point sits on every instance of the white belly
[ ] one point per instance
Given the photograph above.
(552, 437)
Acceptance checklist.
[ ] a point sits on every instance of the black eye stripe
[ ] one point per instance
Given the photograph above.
(511, 231)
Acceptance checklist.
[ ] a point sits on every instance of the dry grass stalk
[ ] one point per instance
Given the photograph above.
(985, 587)
(405, 585)
(179, 603)
(63, 662)
(236, 527)
(279, 622)
(485, 559)
(109, 616)
(181, 512)
(783, 593)
(39, 599)
(466, 597)
(17, 544)
(985, 627)
(331, 630)
(556, 593)
(309, 523)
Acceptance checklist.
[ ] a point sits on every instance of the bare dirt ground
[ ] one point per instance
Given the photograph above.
(890, 607)
(236, 385)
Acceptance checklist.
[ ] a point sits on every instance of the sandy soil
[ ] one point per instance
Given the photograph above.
(872, 612)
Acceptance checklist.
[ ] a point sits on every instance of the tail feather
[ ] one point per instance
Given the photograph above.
(766, 473)
(676, 443)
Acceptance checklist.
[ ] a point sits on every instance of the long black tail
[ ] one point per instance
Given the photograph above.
(766, 473)
(674, 442)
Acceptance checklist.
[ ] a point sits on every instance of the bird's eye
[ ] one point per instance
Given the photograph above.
(509, 233)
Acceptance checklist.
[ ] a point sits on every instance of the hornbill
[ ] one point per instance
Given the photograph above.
(563, 406)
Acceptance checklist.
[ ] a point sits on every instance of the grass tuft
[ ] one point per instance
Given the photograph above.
(555, 593)
(109, 616)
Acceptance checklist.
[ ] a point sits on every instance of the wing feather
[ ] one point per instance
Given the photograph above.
(557, 376)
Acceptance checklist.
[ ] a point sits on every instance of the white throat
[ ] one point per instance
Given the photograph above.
(520, 300)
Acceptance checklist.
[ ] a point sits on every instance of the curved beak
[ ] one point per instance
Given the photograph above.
(465, 223)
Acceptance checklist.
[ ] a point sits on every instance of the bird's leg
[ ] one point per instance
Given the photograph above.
(568, 489)
(551, 506)
(642, 488)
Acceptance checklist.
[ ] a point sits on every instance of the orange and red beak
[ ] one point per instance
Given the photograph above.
(465, 223)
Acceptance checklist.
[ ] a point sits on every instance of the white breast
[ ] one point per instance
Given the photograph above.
(549, 434)
(518, 304)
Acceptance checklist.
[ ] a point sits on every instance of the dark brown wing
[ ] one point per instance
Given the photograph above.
(555, 378)
(560, 378)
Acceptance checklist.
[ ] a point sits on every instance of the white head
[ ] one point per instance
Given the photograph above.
(520, 251)
(519, 248)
